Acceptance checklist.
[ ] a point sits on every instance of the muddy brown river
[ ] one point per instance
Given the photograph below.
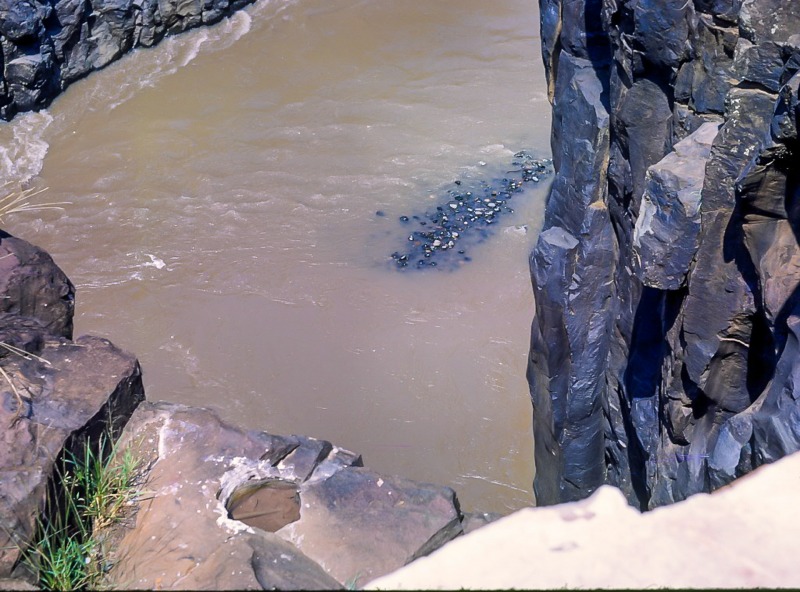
(222, 225)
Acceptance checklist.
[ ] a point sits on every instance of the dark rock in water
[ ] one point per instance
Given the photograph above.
(465, 216)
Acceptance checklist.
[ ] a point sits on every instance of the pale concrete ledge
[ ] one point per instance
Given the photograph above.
(742, 536)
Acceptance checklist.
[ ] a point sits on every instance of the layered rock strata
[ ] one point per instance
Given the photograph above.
(665, 344)
(49, 44)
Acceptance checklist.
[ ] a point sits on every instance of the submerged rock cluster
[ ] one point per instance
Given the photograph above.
(439, 237)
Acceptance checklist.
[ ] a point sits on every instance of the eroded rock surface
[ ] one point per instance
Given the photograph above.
(664, 348)
(360, 525)
(353, 524)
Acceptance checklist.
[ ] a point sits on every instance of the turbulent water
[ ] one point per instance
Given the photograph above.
(222, 225)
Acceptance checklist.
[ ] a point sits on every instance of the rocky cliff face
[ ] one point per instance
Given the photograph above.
(664, 351)
(48, 44)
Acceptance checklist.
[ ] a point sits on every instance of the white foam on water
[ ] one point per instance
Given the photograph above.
(174, 53)
(154, 262)
(23, 147)
(23, 141)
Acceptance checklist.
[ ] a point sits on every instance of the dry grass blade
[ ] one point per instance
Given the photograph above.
(28, 356)
(19, 201)
(23, 353)
(20, 401)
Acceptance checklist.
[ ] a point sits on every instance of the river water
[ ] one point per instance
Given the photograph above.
(222, 225)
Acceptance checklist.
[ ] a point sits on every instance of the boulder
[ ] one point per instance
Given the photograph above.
(21, 22)
(667, 230)
(70, 392)
(703, 81)
(768, 21)
(32, 285)
(55, 394)
(360, 525)
(759, 64)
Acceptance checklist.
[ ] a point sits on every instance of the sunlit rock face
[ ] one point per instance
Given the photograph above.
(665, 342)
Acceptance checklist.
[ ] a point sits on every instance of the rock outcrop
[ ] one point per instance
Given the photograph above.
(665, 345)
(49, 44)
(232, 509)
(54, 393)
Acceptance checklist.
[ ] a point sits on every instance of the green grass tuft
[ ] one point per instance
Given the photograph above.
(92, 492)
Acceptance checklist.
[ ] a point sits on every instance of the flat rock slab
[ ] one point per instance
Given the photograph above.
(742, 536)
(201, 471)
(359, 525)
(83, 387)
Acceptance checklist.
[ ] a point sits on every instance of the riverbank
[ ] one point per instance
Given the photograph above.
(211, 494)
(48, 45)
(230, 177)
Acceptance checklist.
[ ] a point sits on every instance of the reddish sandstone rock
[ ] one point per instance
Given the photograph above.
(360, 525)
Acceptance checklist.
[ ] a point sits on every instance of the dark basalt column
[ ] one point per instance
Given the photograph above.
(664, 347)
